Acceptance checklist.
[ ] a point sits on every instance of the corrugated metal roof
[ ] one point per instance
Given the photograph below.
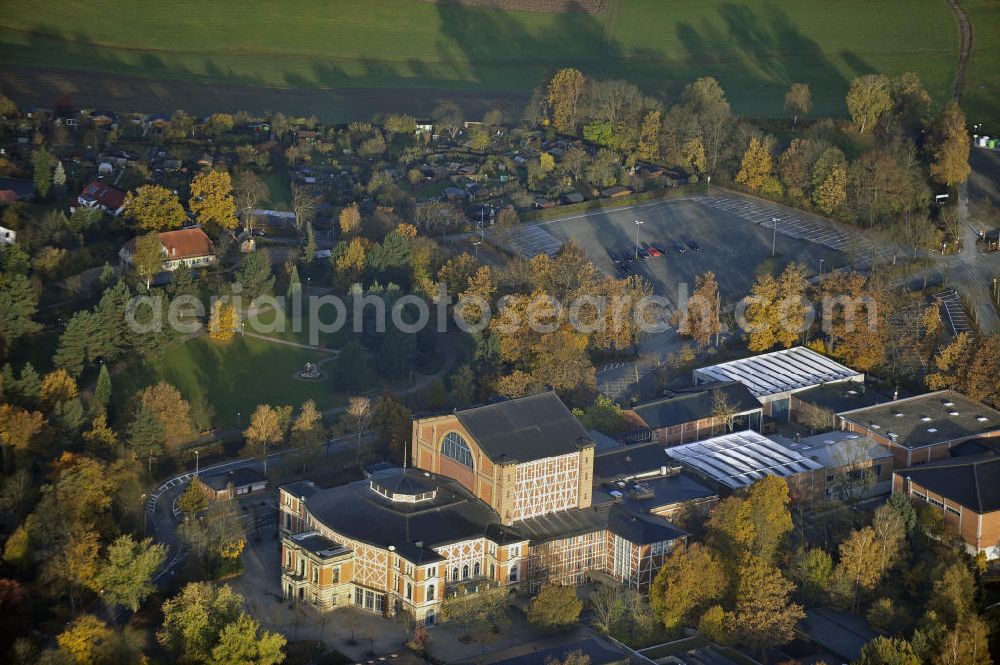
(740, 459)
(782, 371)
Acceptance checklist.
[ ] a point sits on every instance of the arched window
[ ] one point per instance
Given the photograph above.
(465, 572)
(455, 447)
(454, 574)
(475, 570)
(409, 591)
(493, 571)
(430, 592)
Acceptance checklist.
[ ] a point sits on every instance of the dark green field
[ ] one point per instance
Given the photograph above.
(419, 51)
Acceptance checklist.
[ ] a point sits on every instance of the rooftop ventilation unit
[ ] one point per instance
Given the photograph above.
(953, 413)
(926, 419)
(932, 430)
(982, 419)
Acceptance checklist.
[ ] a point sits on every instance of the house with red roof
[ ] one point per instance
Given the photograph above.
(101, 195)
(191, 248)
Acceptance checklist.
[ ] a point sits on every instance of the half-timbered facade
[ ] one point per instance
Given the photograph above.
(497, 495)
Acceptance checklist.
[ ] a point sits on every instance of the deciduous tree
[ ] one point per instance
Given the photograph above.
(194, 619)
(154, 208)
(555, 606)
(755, 169)
(148, 257)
(212, 200)
(565, 92)
(700, 319)
(798, 101)
(242, 641)
(126, 573)
(691, 579)
(222, 321)
(764, 615)
(867, 99)
(950, 147)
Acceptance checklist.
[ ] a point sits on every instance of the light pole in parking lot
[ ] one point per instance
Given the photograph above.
(821, 270)
(637, 223)
(774, 234)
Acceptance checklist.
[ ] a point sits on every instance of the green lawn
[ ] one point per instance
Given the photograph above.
(756, 47)
(982, 83)
(234, 377)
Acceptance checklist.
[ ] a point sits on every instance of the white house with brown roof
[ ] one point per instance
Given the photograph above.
(191, 248)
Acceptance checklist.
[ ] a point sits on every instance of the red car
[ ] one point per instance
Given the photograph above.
(652, 250)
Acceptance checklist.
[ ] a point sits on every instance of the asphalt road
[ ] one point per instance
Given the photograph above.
(162, 515)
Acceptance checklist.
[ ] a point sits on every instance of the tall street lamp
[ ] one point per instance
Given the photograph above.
(774, 234)
(821, 269)
(637, 223)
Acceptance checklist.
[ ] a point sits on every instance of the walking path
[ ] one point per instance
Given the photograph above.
(965, 29)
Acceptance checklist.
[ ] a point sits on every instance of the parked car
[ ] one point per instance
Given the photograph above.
(694, 245)
(651, 250)
(662, 249)
(680, 248)
(642, 253)
(614, 257)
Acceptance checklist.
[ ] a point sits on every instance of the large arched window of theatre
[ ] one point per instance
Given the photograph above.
(455, 447)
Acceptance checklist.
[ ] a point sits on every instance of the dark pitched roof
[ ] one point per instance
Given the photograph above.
(694, 403)
(525, 429)
(973, 482)
(238, 477)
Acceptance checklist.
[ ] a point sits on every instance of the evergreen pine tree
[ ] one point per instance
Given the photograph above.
(102, 391)
(309, 251)
(59, 178)
(145, 435)
(294, 283)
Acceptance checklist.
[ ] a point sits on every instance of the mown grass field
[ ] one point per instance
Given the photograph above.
(755, 47)
(234, 377)
(982, 83)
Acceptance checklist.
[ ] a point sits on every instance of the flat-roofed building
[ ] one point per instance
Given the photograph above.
(774, 377)
(923, 429)
(967, 492)
(734, 461)
(855, 467)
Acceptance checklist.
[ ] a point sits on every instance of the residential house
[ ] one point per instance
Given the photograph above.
(189, 247)
(13, 190)
(99, 194)
(923, 429)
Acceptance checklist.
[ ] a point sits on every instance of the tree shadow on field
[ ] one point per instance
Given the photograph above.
(758, 54)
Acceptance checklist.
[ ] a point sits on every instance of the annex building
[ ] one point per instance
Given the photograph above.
(502, 494)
